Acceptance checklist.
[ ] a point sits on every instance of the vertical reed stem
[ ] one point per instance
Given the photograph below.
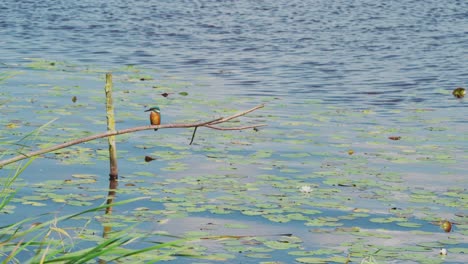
(111, 127)
(113, 174)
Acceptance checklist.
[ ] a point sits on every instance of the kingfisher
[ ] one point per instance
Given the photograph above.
(155, 116)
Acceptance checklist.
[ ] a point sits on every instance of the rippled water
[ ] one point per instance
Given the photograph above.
(361, 52)
(361, 70)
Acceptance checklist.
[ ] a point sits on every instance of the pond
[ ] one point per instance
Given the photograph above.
(363, 158)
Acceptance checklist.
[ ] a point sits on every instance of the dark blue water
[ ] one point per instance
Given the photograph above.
(358, 52)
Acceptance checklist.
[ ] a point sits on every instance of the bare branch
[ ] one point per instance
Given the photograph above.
(129, 130)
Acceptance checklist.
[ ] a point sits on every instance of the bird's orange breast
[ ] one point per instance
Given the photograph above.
(155, 118)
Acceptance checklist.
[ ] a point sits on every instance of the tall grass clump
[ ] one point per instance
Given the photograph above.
(30, 241)
(46, 238)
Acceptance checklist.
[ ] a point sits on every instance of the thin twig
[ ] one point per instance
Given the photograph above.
(193, 135)
(234, 128)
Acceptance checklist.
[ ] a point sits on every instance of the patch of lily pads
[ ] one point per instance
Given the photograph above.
(354, 176)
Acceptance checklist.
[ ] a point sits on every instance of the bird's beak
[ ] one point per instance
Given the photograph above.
(148, 110)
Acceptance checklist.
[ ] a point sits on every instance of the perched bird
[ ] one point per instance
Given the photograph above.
(155, 116)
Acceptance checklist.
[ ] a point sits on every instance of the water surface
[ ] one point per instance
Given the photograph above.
(335, 76)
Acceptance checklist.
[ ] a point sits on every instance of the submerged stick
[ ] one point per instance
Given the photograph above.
(123, 131)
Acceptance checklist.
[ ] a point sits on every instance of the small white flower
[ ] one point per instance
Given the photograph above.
(306, 189)
(369, 260)
(443, 252)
